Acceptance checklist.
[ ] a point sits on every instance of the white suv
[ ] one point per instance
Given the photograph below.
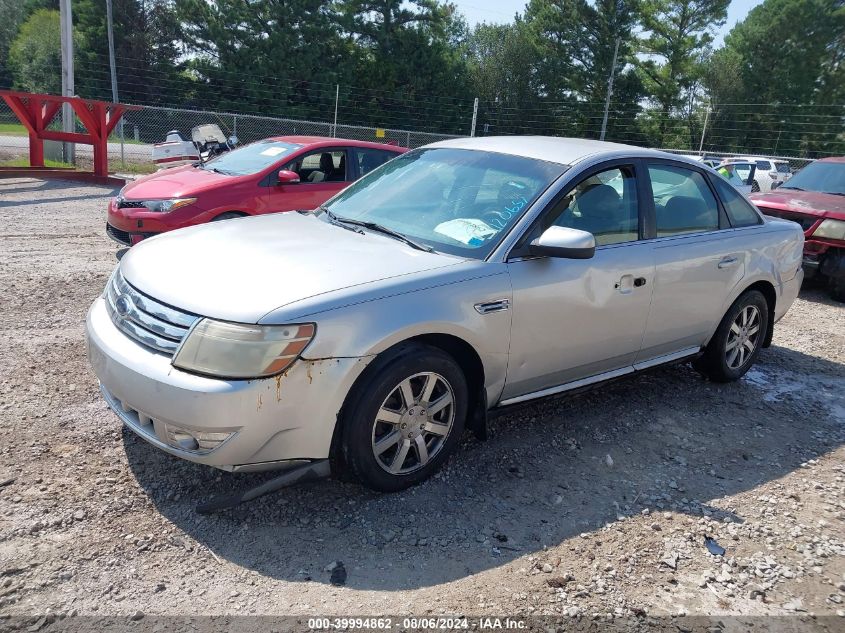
(771, 173)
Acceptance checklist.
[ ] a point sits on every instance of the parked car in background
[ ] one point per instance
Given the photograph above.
(704, 159)
(771, 172)
(467, 275)
(284, 173)
(815, 198)
(739, 173)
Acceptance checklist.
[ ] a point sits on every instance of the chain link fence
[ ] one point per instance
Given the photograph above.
(142, 128)
(795, 163)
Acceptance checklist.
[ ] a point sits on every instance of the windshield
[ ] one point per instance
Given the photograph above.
(819, 176)
(455, 200)
(251, 159)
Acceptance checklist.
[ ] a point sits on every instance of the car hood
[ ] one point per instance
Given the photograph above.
(241, 269)
(807, 202)
(176, 182)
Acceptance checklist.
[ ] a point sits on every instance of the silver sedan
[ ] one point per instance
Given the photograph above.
(460, 277)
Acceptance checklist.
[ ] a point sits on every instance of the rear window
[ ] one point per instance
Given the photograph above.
(782, 168)
(764, 165)
(739, 211)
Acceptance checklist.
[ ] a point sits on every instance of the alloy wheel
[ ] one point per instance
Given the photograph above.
(743, 337)
(413, 422)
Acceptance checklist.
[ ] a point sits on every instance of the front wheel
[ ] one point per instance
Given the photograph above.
(401, 425)
(738, 339)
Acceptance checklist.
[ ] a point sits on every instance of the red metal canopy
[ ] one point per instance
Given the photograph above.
(36, 111)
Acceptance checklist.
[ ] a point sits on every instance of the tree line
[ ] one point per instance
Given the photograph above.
(776, 84)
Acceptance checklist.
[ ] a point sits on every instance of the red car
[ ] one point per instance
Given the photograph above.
(284, 173)
(815, 198)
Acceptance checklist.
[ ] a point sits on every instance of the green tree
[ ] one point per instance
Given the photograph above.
(406, 63)
(274, 56)
(146, 50)
(677, 35)
(11, 16)
(803, 88)
(577, 40)
(502, 60)
(35, 54)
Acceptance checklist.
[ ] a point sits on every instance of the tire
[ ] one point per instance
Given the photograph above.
(837, 290)
(229, 215)
(388, 445)
(746, 320)
(755, 187)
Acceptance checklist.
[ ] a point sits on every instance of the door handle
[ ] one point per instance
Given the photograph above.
(727, 261)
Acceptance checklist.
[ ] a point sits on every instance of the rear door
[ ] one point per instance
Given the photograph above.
(698, 260)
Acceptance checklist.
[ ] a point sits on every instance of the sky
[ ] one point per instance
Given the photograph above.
(503, 11)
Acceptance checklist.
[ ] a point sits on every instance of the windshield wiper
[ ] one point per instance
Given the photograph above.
(375, 226)
(337, 222)
(788, 187)
(835, 193)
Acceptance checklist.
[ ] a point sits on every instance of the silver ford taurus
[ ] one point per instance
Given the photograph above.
(460, 277)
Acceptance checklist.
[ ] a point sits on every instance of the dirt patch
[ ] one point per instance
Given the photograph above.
(595, 504)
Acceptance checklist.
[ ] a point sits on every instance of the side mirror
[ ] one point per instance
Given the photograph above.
(287, 177)
(565, 243)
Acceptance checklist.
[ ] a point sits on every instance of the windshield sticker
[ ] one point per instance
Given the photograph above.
(467, 231)
(273, 151)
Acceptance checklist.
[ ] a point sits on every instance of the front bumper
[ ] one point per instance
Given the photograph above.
(254, 424)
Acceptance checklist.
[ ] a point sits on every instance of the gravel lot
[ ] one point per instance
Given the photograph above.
(595, 504)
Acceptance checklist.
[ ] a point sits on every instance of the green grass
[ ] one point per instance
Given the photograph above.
(24, 162)
(131, 168)
(13, 129)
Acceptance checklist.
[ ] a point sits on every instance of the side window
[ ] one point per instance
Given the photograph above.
(604, 204)
(739, 210)
(368, 159)
(683, 203)
(320, 166)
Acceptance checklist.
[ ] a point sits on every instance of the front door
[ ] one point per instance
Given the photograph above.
(576, 319)
(322, 173)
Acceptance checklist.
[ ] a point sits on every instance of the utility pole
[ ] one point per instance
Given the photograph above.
(66, 32)
(336, 99)
(474, 117)
(704, 131)
(609, 89)
(114, 97)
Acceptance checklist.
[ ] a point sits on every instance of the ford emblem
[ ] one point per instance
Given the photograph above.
(123, 305)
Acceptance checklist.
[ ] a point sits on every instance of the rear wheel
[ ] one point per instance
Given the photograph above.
(403, 422)
(755, 187)
(738, 339)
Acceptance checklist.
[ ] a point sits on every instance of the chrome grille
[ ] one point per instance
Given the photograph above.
(144, 319)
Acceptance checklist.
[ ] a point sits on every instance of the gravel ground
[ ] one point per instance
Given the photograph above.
(595, 504)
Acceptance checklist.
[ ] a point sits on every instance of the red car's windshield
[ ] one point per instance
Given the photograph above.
(252, 158)
(819, 176)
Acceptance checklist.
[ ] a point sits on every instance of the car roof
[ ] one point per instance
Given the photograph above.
(325, 141)
(553, 149)
(832, 159)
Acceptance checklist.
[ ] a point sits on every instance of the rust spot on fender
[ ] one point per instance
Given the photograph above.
(308, 373)
(279, 388)
(258, 408)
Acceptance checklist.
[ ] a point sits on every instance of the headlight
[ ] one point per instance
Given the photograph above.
(831, 229)
(232, 350)
(165, 206)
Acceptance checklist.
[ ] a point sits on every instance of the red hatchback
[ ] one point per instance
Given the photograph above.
(815, 199)
(284, 173)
